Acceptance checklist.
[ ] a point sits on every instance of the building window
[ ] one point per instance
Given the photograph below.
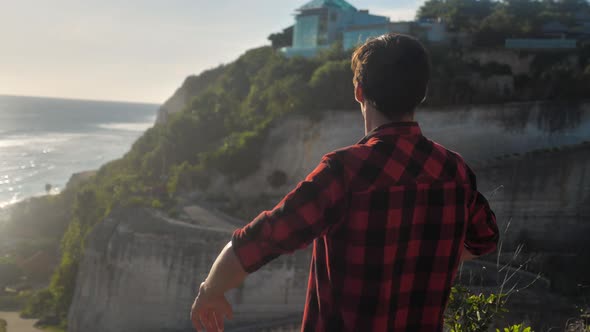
(334, 17)
(322, 37)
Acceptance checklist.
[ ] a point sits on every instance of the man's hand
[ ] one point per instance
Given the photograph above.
(209, 310)
(211, 306)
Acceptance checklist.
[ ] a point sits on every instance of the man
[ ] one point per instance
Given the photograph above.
(389, 217)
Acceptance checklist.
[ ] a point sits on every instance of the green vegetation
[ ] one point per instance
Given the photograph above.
(516, 328)
(469, 312)
(553, 75)
(283, 38)
(39, 304)
(491, 22)
(52, 329)
(3, 325)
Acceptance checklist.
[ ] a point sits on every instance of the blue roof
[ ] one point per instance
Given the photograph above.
(340, 4)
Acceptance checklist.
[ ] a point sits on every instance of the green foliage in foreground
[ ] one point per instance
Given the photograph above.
(516, 328)
(468, 312)
(3, 325)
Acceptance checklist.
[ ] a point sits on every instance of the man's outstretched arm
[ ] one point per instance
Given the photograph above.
(211, 307)
(304, 214)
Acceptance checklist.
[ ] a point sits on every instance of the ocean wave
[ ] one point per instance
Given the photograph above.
(18, 197)
(45, 141)
(127, 126)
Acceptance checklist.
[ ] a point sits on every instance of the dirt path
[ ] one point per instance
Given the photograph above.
(17, 324)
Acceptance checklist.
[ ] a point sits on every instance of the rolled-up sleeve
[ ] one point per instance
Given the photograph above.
(304, 214)
(482, 230)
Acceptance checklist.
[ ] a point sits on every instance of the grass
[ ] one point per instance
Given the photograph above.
(52, 329)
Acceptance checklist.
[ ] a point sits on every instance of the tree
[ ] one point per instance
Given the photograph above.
(431, 9)
(48, 187)
(332, 86)
(282, 39)
(495, 28)
(460, 15)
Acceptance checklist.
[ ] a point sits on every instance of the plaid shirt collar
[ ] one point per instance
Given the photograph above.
(410, 128)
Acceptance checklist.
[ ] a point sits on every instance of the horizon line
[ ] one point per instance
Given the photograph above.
(81, 99)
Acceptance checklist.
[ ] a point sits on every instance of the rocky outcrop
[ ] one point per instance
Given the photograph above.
(141, 271)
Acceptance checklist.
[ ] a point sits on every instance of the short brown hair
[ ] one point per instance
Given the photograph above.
(393, 71)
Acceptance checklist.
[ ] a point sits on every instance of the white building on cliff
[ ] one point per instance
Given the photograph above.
(321, 23)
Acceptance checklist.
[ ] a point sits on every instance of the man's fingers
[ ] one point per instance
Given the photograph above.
(219, 321)
(227, 309)
(196, 321)
(208, 321)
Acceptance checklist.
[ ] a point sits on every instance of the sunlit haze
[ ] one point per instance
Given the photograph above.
(137, 50)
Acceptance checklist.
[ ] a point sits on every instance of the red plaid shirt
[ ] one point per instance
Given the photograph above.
(388, 218)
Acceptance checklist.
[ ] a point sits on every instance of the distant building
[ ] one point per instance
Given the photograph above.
(321, 23)
(433, 30)
(541, 44)
(563, 36)
(555, 29)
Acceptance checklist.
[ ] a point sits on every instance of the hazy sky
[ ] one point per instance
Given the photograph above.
(136, 50)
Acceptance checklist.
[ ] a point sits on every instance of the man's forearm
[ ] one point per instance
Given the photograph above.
(226, 273)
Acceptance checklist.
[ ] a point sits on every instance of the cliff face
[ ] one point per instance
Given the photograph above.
(544, 196)
(140, 270)
(481, 134)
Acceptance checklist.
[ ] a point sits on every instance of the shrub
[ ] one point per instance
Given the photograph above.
(516, 328)
(468, 312)
(39, 304)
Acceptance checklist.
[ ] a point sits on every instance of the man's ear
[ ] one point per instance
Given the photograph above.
(358, 94)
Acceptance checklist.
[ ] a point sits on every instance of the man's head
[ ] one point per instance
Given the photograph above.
(391, 74)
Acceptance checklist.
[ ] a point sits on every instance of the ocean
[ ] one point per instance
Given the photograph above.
(45, 140)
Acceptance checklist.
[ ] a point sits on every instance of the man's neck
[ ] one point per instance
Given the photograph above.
(375, 119)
